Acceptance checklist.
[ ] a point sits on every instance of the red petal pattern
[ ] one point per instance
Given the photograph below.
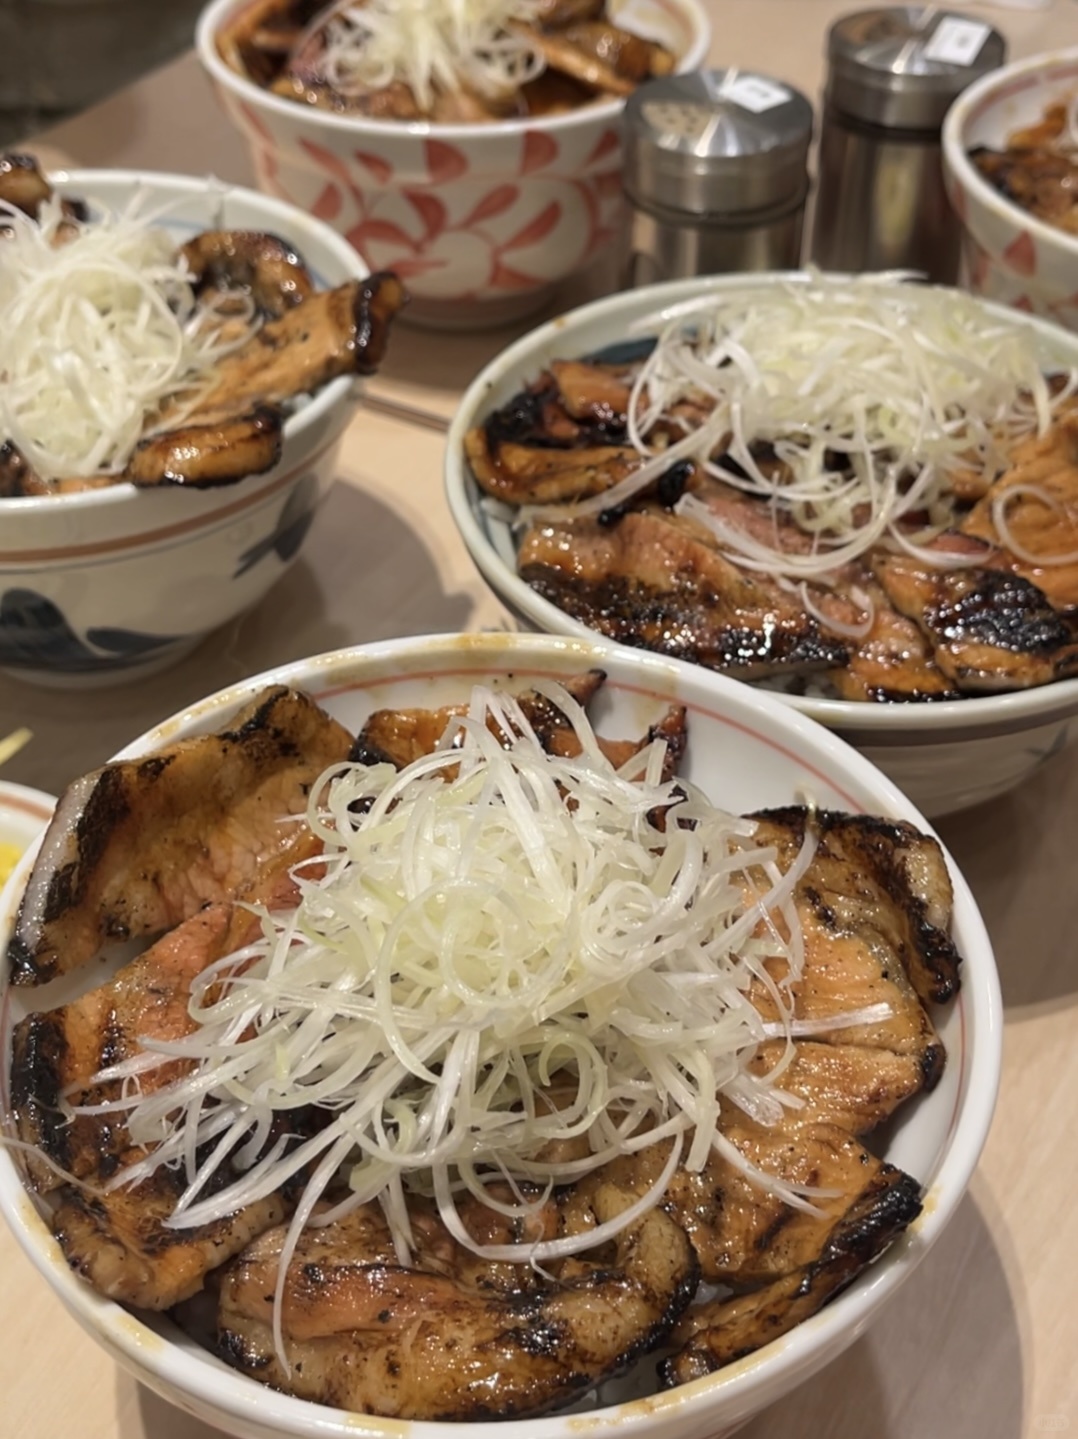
(1021, 254)
(495, 202)
(539, 151)
(537, 229)
(444, 161)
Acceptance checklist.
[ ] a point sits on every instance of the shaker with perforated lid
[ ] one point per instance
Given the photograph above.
(716, 171)
(892, 76)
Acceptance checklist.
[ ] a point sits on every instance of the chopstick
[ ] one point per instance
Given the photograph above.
(409, 414)
(14, 742)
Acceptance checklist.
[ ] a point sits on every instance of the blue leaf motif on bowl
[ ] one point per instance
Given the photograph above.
(35, 635)
(295, 519)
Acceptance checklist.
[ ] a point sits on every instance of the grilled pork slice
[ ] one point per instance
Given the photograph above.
(526, 475)
(333, 332)
(119, 1239)
(853, 1086)
(991, 629)
(452, 1338)
(893, 661)
(716, 1333)
(743, 1234)
(655, 581)
(401, 736)
(593, 394)
(139, 846)
(204, 455)
(121, 1243)
(57, 1053)
(874, 904)
(1037, 499)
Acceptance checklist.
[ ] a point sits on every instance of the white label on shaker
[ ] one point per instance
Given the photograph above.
(753, 92)
(956, 41)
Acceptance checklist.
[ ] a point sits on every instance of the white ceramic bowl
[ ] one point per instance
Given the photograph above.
(746, 750)
(945, 756)
(1010, 255)
(479, 220)
(105, 585)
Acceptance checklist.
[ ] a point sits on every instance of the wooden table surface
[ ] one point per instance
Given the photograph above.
(982, 1343)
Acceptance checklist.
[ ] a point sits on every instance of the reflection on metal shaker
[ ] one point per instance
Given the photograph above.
(716, 170)
(892, 75)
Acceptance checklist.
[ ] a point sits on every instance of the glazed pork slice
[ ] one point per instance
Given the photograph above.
(533, 475)
(717, 1332)
(893, 661)
(333, 332)
(991, 629)
(743, 1234)
(1037, 499)
(875, 905)
(140, 845)
(656, 582)
(855, 1087)
(117, 1235)
(121, 1242)
(450, 1337)
(401, 736)
(57, 1053)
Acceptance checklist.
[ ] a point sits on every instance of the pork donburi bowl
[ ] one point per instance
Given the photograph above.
(385, 706)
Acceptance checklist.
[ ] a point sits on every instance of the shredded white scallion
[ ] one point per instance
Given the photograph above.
(499, 950)
(100, 325)
(871, 394)
(430, 45)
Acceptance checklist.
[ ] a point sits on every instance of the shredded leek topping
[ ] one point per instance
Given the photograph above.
(873, 395)
(431, 45)
(100, 326)
(499, 950)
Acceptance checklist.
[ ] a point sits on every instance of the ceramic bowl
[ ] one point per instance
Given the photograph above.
(106, 585)
(945, 756)
(1011, 256)
(479, 220)
(746, 750)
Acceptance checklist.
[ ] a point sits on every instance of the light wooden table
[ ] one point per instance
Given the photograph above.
(982, 1343)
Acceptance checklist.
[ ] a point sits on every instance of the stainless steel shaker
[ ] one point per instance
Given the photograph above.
(716, 171)
(892, 76)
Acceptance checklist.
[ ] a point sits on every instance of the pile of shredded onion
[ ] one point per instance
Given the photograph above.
(873, 394)
(499, 950)
(100, 325)
(430, 45)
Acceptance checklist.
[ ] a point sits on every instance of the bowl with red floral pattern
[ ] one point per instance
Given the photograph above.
(1010, 152)
(480, 216)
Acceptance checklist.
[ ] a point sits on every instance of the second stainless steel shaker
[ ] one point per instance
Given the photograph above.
(892, 76)
(716, 170)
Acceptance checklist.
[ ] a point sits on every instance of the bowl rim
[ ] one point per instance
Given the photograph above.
(219, 1390)
(214, 14)
(969, 178)
(75, 179)
(977, 716)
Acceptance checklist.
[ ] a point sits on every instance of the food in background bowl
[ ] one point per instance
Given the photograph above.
(865, 488)
(133, 358)
(1012, 253)
(441, 60)
(748, 747)
(479, 218)
(1038, 166)
(670, 580)
(107, 582)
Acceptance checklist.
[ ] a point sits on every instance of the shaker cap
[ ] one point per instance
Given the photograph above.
(716, 142)
(901, 67)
